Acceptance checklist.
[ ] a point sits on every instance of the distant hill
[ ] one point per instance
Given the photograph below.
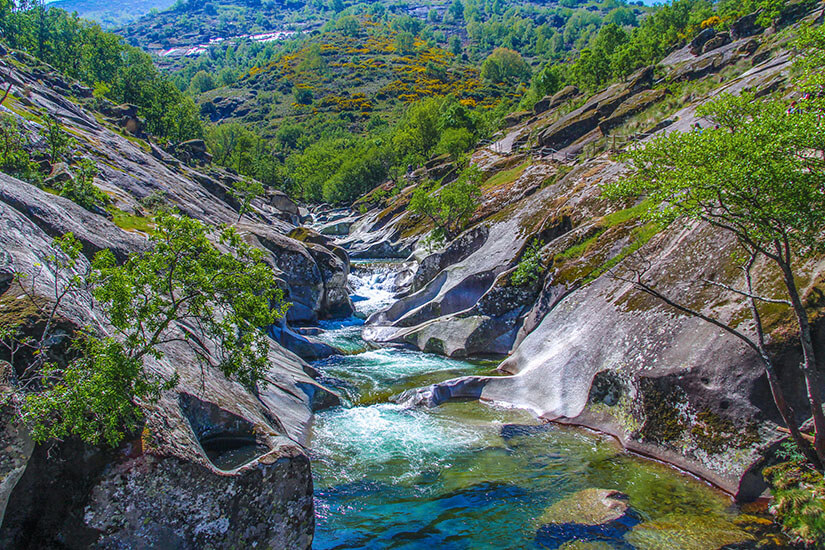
(358, 76)
(112, 14)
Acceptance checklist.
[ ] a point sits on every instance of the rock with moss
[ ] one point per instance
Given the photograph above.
(588, 507)
(687, 533)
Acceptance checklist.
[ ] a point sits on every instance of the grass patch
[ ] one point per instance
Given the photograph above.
(506, 177)
(578, 250)
(132, 222)
(626, 215)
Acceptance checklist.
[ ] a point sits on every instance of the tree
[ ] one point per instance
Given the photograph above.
(348, 24)
(505, 65)
(455, 45)
(245, 190)
(548, 81)
(451, 206)
(58, 140)
(759, 177)
(404, 42)
(456, 10)
(455, 142)
(202, 82)
(182, 279)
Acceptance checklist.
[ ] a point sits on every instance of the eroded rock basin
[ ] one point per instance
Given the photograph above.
(469, 475)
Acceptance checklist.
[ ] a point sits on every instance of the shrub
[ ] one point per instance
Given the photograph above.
(450, 207)
(799, 497)
(530, 266)
(93, 393)
(505, 65)
(81, 190)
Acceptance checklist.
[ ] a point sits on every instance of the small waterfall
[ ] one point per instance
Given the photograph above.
(375, 284)
(463, 474)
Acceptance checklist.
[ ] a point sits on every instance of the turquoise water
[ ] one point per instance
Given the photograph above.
(471, 476)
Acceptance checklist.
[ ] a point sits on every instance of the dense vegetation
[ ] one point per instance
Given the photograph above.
(82, 50)
(322, 115)
(112, 14)
(92, 392)
(756, 174)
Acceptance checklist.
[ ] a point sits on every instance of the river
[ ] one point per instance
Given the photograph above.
(468, 475)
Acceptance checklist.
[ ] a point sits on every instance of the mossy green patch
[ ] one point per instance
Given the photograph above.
(132, 222)
(662, 408)
(506, 177)
(628, 214)
(16, 309)
(799, 493)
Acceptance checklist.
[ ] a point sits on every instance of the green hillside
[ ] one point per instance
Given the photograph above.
(112, 14)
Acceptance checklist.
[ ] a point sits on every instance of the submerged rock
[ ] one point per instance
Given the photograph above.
(588, 507)
(686, 533)
(589, 515)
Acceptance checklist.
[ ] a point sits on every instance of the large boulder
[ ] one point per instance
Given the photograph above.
(193, 151)
(551, 102)
(745, 26)
(698, 42)
(633, 105)
(214, 465)
(15, 441)
(569, 128)
(56, 216)
(716, 41)
(588, 507)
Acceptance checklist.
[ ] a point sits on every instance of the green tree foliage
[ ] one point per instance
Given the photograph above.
(455, 142)
(449, 207)
(202, 82)
(548, 81)
(348, 25)
(455, 45)
(245, 190)
(57, 139)
(181, 278)
(456, 10)
(505, 65)
(759, 177)
(342, 167)
(404, 42)
(530, 267)
(14, 151)
(593, 67)
(237, 147)
(82, 50)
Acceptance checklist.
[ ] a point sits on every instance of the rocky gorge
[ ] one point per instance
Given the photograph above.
(168, 486)
(582, 346)
(406, 371)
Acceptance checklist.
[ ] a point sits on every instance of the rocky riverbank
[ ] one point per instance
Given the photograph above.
(582, 346)
(215, 464)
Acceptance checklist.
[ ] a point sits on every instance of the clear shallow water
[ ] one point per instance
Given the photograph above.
(470, 476)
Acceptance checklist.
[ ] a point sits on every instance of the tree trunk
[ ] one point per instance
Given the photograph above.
(812, 382)
(785, 409)
(788, 416)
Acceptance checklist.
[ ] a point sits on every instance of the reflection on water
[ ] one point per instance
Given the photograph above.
(470, 476)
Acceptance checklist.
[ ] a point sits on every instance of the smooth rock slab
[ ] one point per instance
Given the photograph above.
(588, 507)
(686, 533)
